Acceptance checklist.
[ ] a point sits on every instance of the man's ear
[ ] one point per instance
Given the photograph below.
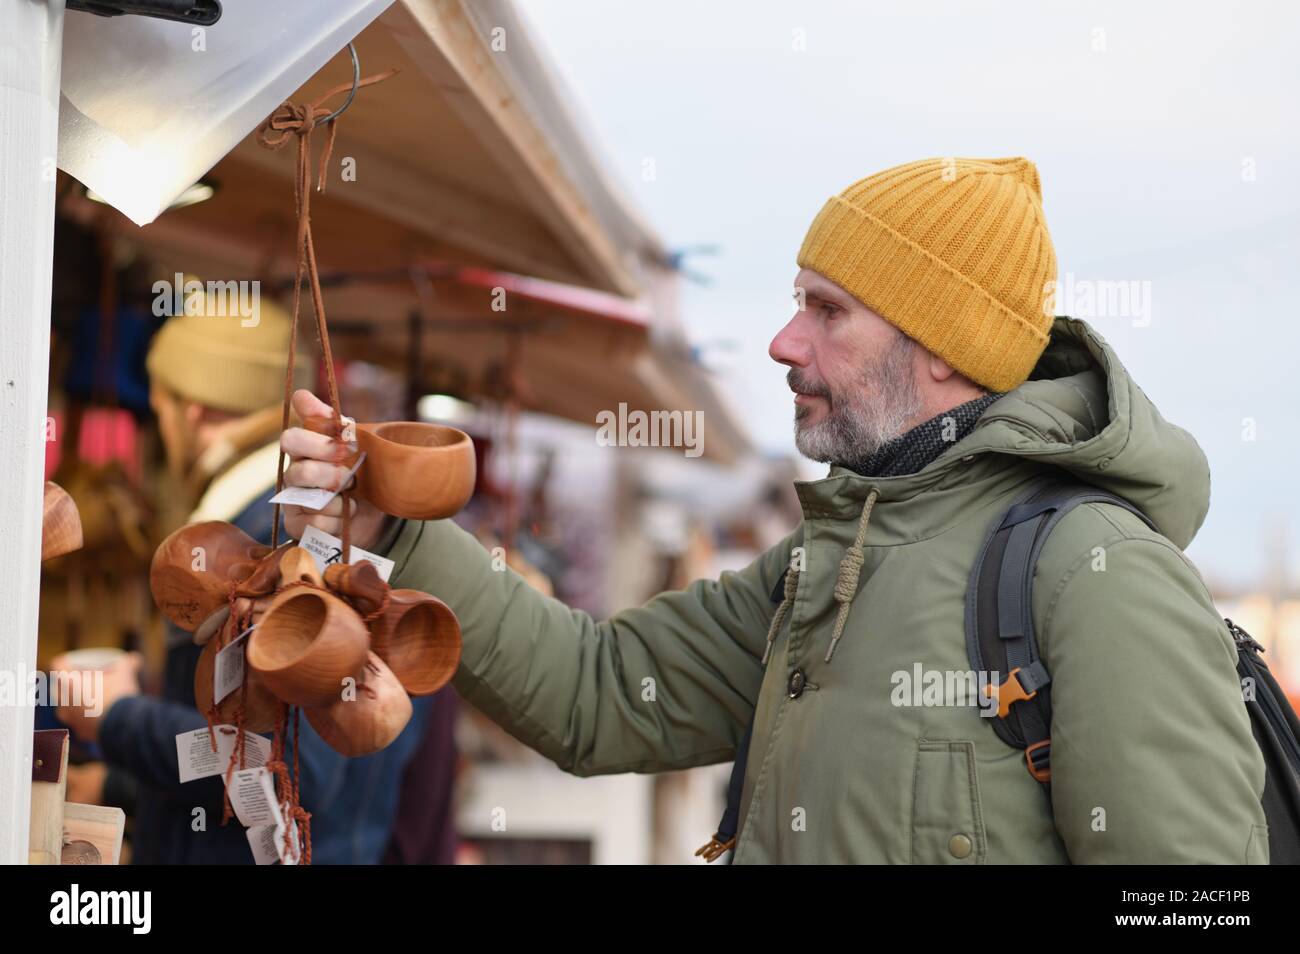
(940, 370)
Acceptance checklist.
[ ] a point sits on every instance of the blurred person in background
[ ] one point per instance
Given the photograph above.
(216, 387)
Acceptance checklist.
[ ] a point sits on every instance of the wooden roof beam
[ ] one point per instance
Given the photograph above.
(473, 84)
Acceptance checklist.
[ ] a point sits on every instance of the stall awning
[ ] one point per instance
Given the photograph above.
(469, 157)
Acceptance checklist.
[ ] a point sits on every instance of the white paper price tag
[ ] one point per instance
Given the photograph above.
(315, 498)
(267, 843)
(195, 758)
(252, 796)
(228, 671)
(327, 550)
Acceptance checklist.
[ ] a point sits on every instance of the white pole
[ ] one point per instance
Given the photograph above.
(31, 44)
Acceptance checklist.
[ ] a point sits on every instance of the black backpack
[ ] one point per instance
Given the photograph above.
(1000, 639)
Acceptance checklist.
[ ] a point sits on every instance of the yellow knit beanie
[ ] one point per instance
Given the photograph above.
(215, 356)
(954, 252)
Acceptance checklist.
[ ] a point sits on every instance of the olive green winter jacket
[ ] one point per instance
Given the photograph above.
(1153, 760)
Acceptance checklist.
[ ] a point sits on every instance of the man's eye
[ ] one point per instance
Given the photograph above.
(829, 310)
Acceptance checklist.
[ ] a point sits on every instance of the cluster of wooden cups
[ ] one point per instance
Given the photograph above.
(343, 646)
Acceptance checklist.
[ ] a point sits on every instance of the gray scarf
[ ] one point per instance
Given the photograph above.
(912, 451)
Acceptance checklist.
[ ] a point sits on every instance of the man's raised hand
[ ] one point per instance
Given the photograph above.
(317, 461)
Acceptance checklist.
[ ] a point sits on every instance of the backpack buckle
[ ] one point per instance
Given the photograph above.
(1038, 759)
(1013, 689)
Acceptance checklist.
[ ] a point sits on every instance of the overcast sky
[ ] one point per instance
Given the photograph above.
(1165, 134)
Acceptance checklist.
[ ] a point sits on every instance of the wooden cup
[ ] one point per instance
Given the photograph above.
(298, 566)
(61, 529)
(413, 470)
(419, 637)
(307, 643)
(369, 722)
(193, 570)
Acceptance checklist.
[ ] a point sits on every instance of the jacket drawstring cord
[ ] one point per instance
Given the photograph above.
(791, 586)
(846, 584)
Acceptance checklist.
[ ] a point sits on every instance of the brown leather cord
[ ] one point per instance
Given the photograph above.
(299, 120)
(241, 740)
(301, 814)
(232, 626)
(292, 119)
(280, 769)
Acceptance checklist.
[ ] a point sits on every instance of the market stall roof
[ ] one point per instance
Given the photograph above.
(468, 158)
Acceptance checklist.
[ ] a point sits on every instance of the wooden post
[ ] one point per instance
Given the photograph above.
(31, 43)
(45, 842)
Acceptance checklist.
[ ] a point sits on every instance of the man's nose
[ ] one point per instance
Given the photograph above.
(790, 346)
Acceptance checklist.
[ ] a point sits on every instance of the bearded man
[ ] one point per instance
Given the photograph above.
(930, 376)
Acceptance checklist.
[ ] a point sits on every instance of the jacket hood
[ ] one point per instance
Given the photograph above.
(1081, 411)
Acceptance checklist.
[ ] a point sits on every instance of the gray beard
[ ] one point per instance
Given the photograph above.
(879, 410)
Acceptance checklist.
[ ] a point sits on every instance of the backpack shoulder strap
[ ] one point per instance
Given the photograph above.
(1000, 641)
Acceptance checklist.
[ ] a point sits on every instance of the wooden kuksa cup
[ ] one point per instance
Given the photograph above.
(369, 720)
(416, 634)
(413, 470)
(194, 569)
(307, 643)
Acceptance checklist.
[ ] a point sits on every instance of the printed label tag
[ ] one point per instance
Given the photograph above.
(327, 550)
(267, 842)
(195, 758)
(252, 796)
(228, 672)
(315, 498)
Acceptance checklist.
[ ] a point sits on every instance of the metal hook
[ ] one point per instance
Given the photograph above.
(356, 80)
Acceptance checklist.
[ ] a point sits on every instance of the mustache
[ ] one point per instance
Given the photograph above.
(799, 384)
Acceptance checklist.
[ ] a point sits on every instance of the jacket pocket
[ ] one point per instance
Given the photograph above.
(947, 822)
